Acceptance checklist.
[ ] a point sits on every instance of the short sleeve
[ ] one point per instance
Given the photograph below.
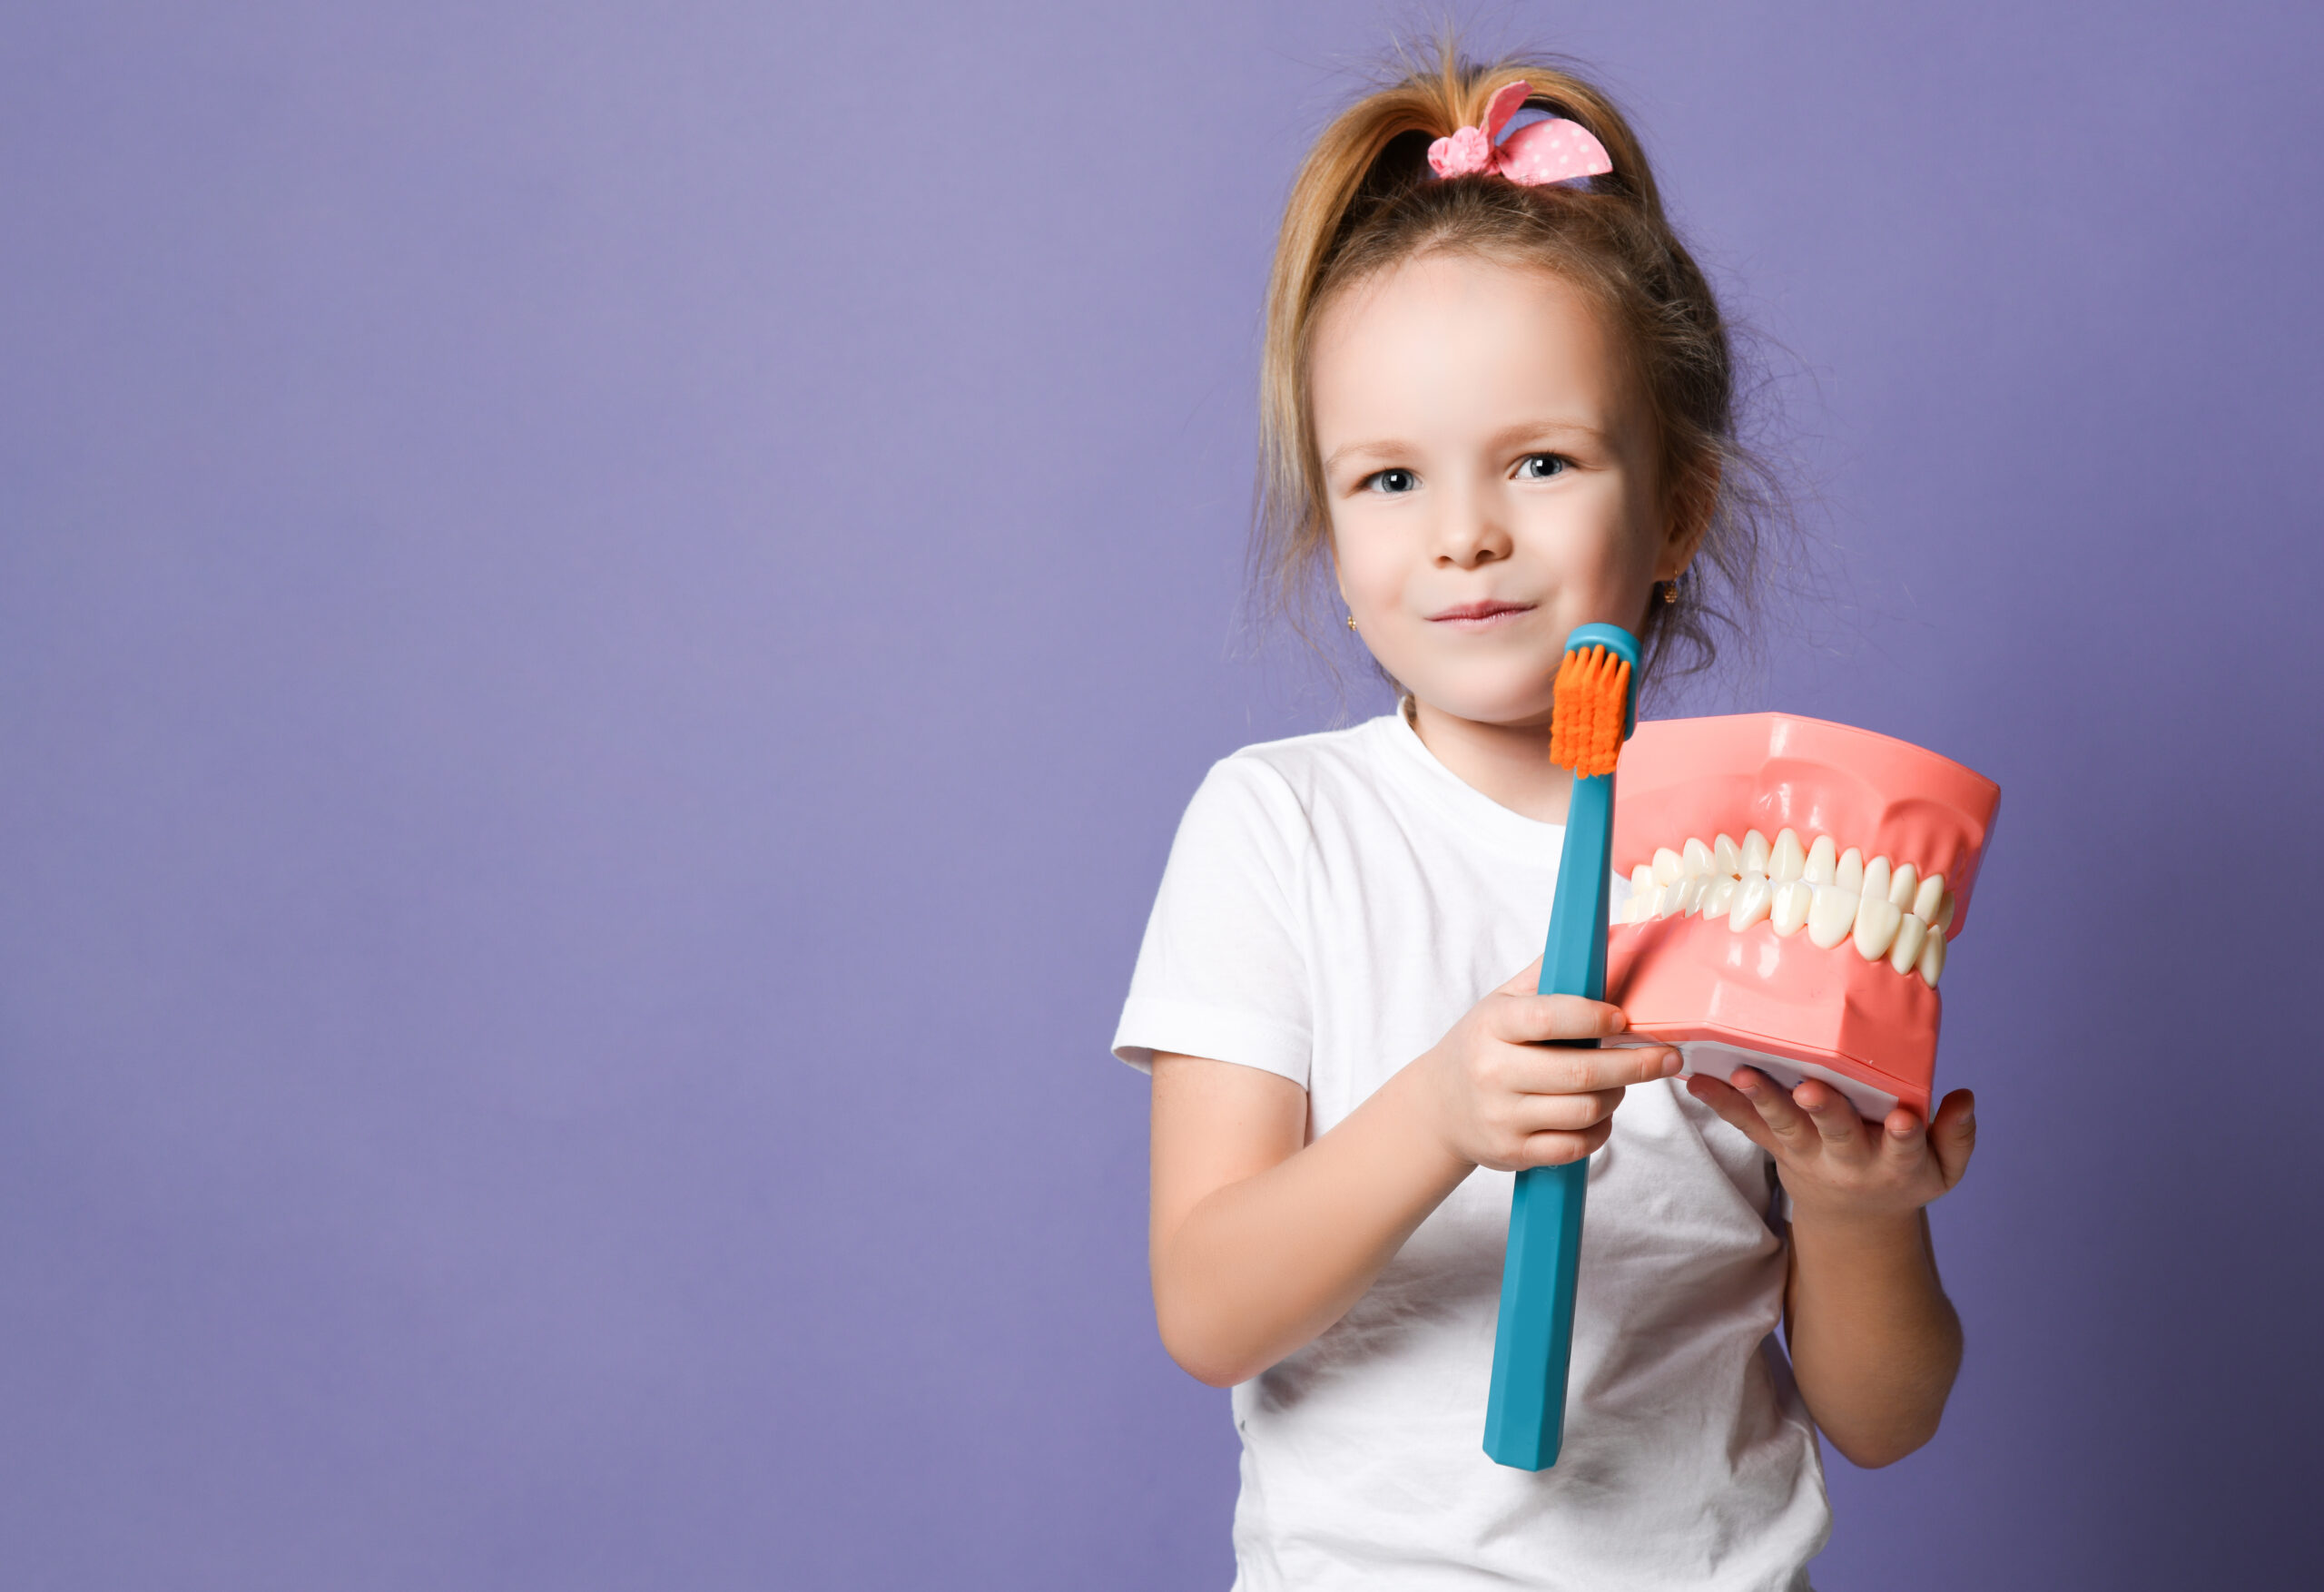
(1222, 972)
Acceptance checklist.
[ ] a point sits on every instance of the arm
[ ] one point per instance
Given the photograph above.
(1261, 1240)
(1874, 1343)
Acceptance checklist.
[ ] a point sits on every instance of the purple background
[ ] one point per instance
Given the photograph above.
(605, 615)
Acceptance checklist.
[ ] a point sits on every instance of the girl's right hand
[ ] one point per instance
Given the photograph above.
(1506, 1100)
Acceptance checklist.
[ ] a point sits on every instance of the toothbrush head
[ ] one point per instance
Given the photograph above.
(1594, 708)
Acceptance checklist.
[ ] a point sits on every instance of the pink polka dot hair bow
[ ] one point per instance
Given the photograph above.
(1552, 151)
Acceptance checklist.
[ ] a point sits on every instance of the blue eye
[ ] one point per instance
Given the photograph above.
(1544, 466)
(1395, 483)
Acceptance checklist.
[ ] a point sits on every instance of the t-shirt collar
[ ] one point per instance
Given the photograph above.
(1477, 814)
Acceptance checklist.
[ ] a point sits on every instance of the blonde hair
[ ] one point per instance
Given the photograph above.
(1366, 201)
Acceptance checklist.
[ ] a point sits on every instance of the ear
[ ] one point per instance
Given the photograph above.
(1691, 503)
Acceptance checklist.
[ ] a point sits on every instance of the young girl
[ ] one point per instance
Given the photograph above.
(1498, 404)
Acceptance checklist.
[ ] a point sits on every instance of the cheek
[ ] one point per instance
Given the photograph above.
(1627, 562)
(1625, 551)
(1594, 558)
(1368, 574)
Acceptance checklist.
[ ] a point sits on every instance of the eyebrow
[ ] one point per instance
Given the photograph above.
(1508, 436)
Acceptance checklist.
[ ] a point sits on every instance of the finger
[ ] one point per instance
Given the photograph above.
(1531, 1113)
(1531, 1018)
(1733, 1109)
(1784, 1118)
(1953, 1135)
(1538, 1069)
(1555, 1149)
(1904, 1141)
(1837, 1123)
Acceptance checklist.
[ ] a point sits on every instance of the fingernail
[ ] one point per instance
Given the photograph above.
(1670, 1065)
(1748, 1085)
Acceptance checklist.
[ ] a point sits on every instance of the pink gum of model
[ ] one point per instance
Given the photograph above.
(1784, 1005)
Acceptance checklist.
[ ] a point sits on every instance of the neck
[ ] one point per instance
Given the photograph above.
(1507, 762)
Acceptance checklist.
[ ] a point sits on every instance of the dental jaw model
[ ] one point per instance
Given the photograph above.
(1795, 885)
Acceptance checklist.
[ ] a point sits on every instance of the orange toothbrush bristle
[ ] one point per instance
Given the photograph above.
(1587, 711)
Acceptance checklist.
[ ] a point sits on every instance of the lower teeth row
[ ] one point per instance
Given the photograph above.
(1888, 914)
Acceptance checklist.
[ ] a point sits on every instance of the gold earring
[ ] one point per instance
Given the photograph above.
(1350, 622)
(1669, 591)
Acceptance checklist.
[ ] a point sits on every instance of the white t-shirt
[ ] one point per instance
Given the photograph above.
(1333, 904)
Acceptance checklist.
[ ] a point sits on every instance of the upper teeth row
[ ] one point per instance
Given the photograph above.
(1887, 912)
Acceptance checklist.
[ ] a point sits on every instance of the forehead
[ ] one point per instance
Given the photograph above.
(1445, 342)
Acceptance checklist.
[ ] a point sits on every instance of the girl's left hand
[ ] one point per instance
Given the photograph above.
(1834, 1164)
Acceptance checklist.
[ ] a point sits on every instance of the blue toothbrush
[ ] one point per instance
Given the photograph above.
(1593, 712)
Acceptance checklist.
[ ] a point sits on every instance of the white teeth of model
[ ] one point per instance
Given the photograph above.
(1877, 918)
(1823, 861)
(1831, 915)
(1889, 911)
(1786, 861)
(1876, 879)
(1643, 889)
(1719, 897)
(1928, 898)
(1906, 950)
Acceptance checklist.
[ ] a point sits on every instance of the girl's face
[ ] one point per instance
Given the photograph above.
(1490, 471)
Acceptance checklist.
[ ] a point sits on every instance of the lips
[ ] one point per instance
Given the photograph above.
(1478, 613)
(1811, 946)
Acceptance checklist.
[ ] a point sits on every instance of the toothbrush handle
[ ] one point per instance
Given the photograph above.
(1534, 1345)
(1525, 1411)
(1574, 961)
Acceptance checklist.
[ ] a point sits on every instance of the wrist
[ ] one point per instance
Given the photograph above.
(1421, 1105)
(1844, 1225)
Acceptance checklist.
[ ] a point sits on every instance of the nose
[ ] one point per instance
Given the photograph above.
(1470, 532)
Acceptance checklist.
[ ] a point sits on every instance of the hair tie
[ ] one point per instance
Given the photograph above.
(1550, 151)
